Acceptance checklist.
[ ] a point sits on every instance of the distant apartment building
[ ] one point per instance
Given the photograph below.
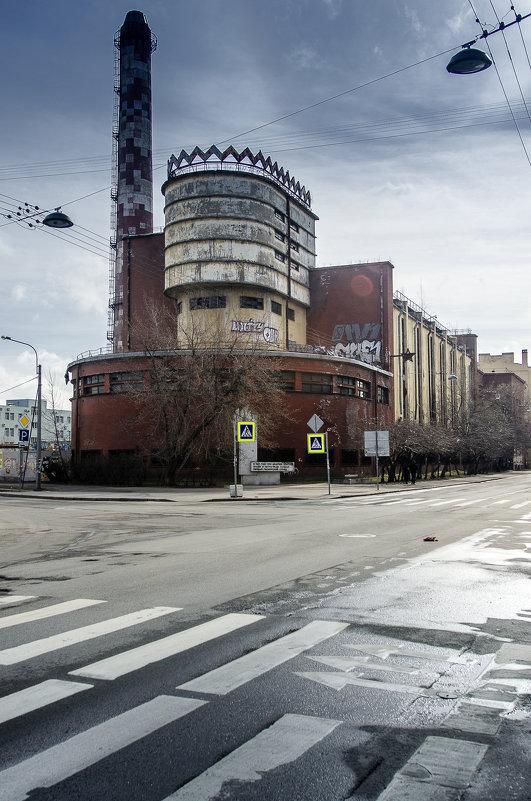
(505, 363)
(55, 424)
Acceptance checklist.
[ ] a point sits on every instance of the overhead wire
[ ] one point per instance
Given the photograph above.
(10, 389)
(521, 35)
(511, 60)
(518, 131)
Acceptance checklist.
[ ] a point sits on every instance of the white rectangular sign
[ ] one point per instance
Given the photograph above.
(376, 443)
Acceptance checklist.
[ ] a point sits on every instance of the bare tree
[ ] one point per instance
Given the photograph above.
(55, 467)
(197, 381)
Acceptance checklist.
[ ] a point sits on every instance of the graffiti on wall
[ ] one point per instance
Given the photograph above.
(255, 327)
(358, 342)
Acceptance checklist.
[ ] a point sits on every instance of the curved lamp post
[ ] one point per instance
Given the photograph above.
(39, 409)
(54, 219)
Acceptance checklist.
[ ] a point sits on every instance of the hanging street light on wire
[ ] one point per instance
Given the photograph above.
(470, 60)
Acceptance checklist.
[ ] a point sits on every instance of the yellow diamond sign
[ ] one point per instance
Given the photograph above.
(24, 421)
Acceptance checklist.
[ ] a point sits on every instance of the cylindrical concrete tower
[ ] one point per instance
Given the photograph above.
(240, 244)
(134, 189)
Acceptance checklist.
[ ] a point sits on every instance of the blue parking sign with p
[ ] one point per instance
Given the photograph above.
(23, 435)
(316, 443)
(246, 431)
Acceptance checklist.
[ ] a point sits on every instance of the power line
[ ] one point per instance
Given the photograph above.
(10, 389)
(335, 97)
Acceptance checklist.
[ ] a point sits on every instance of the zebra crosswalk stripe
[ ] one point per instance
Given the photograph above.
(136, 658)
(15, 599)
(20, 653)
(47, 611)
(82, 750)
(39, 695)
(228, 677)
(282, 743)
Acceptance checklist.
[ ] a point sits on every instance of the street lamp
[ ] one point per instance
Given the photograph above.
(470, 60)
(39, 409)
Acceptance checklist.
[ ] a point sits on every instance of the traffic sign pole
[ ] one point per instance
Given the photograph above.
(327, 462)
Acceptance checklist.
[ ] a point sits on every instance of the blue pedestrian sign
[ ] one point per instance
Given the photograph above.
(23, 436)
(246, 431)
(316, 443)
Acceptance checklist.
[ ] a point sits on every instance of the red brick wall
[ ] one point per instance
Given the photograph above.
(352, 311)
(143, 286)
(107, 421)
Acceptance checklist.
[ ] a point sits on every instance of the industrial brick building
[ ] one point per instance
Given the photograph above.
(237, 257)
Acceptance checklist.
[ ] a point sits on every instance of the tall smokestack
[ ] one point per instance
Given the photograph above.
(133, 189)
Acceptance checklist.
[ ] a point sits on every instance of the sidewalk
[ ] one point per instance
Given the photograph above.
(283, 492)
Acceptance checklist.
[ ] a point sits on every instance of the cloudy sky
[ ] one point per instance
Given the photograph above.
(404, 161)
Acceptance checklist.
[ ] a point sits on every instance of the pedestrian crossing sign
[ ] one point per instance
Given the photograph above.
(246, 431)
(316, 443)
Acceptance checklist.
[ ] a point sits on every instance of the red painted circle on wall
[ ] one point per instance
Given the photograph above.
(361, 285)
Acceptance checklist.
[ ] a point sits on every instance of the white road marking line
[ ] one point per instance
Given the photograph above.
(383, 652)
(228, 677)
(360, 663)
(469, 503)
(496, 503)
(16, 599)
(47, 611)
(39, 695)
(445, 503)
(136, 658)
(11, 656)
(337, 681)
(282, 743)
(79, 752)
(519, 505)
(438, 766)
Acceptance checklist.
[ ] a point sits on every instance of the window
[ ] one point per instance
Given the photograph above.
(279, 235)
(93, 384)
(286, 379)
(317, 382)
(320, 458)
(276, 308)
(295, 266)
(383, 395)
(213, 302)
(279, 215)
(293, 226)
(126, 382)
(291, 314)
(280, 256)
(363, 388)
(247, 302)
(349, 457)
(294, 246)
(180, 307)
(346, 385)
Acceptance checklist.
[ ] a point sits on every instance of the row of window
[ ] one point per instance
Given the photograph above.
(246, 302)
(316, 383)
(348, 458)
(323, 384)
(282, 217)
(282, 257)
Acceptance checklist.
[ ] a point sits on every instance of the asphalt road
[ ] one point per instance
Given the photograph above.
(317, 649)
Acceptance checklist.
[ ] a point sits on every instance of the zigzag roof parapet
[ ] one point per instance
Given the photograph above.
(187, 162)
